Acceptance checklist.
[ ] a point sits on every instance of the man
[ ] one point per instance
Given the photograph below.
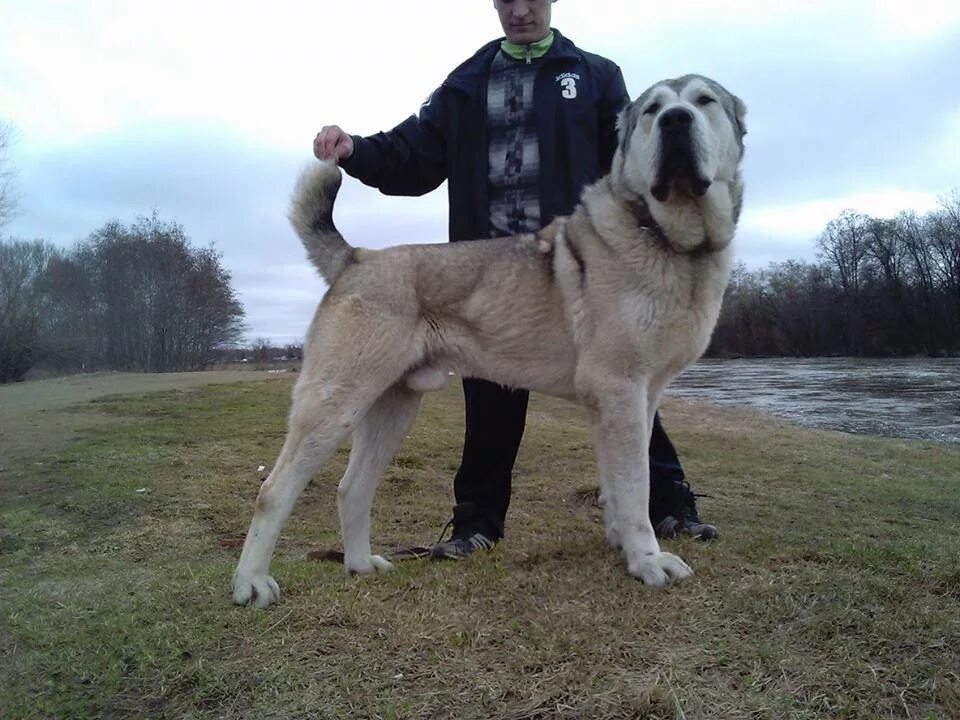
(518, 131)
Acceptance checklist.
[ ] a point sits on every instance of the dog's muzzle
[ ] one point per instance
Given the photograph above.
(678, 167)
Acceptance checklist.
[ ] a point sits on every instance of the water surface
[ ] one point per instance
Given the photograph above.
(914, 398)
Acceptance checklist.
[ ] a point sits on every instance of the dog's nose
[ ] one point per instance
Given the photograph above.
(675, 119)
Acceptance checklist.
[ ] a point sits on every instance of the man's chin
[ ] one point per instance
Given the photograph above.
(525, 37)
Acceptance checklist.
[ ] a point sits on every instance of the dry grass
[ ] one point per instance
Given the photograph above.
(833, 593)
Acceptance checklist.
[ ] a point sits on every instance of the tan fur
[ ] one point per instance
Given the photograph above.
(599, 307)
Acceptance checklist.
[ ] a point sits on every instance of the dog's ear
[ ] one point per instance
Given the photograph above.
(739, 116)
(626, 124)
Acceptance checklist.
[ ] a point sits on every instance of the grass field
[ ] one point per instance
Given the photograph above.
(834, 591)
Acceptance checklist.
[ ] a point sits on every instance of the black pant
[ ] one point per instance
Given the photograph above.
(495, 419)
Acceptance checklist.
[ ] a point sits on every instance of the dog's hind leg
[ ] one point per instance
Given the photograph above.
(348, 367)
(318, 426)
(375, 441)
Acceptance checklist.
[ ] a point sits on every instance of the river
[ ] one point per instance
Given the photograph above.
(912, 398)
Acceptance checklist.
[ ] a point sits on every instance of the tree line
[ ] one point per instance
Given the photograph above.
(133, 297)
(880, 287)
(141, 298)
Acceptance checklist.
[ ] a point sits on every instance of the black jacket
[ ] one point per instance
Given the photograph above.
(448, 139)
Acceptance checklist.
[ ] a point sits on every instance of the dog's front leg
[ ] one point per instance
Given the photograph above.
(606, 492)
(622, 422)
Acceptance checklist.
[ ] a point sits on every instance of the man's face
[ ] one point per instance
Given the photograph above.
(524, 21)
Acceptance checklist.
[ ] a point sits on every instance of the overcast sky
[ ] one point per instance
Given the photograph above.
(206, 111)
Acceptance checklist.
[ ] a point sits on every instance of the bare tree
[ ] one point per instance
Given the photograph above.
(890, 296)
(75, 312)
(944, 229)
(913, 231)
(743, 327)
(797, 297)
(883, 287)
(886, 250)
(164, 305)
(8, 198)
(24, 306)
(844, 244)
(261, 351)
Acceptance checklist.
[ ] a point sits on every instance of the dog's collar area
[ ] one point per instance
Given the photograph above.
(643, 216)
(645, 220)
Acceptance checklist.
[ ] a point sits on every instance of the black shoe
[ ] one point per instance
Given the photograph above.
(460, 547)
(685, 520)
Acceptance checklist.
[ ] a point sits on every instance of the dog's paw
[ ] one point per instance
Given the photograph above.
(258, 589)
(659, 569)
(613, 537)
(367, 565)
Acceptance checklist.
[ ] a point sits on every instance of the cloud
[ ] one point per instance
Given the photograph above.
(205, 112)
(225, 193)
(774, 233)
(279, 299)
(809, 218)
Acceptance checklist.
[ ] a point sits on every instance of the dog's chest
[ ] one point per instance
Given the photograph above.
(673, 315)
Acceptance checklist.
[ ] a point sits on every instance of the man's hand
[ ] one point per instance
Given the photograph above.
(332, 143)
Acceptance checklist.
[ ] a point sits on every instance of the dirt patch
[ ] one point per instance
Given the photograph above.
(41, 416)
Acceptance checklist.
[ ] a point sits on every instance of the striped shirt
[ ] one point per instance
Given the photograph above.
(514, 153)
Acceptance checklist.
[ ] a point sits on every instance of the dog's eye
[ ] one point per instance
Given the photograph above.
(705, 100)
(652, 109)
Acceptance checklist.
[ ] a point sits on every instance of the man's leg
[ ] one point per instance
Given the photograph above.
(495, 419)
(673, 505)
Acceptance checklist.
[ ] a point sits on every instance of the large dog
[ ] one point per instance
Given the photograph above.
(603, 307)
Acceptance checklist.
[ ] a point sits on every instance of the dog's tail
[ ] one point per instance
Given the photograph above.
(311, 214)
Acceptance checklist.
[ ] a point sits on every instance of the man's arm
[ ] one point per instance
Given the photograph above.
(410, 159)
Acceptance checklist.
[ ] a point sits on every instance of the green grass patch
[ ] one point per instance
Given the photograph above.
(834, 590)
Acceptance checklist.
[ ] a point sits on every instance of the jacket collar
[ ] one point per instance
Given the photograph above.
(528, 51)
(473, 73)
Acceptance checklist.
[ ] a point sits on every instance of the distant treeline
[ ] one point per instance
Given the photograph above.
(141, 298)
(135, 297)
(261, 353)
(880, 288)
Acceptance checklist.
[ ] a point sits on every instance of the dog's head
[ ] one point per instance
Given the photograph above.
(679, 139)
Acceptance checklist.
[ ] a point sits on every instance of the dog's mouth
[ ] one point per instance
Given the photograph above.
(678, 171)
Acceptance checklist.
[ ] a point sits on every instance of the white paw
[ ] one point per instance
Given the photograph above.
(367, 565)
(613, 536)
(259, 589)
(659, 569)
